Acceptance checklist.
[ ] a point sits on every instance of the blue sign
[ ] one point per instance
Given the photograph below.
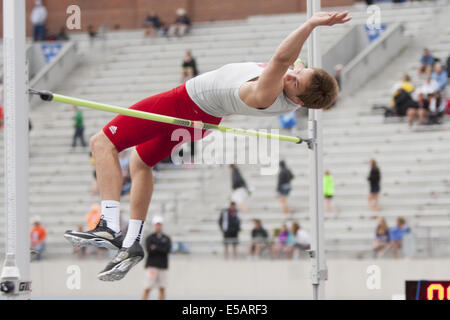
(51, 50)
(375, 31)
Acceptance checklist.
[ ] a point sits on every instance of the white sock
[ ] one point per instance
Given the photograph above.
(111, 214)
(134, 233)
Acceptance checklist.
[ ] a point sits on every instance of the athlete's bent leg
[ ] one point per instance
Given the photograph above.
(141, 187)
(109, 175)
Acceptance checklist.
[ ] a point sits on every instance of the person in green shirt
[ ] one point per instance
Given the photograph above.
(328, 191)
(79, 128)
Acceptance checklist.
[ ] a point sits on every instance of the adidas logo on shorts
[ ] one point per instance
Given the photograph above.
(113, 129)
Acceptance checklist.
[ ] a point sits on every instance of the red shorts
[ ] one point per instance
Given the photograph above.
(153, 140)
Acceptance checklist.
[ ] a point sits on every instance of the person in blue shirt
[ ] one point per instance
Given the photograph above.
(426, 63)
(440, 76)
(396, 235)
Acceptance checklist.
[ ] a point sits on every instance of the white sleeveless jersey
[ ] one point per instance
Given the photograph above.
(217, 92)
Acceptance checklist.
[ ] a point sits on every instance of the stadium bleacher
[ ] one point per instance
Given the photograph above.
(124, 68)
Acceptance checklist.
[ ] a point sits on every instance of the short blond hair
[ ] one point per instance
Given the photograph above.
(322, 90)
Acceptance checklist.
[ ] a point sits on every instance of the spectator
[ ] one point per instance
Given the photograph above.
(448, 65)
(440, 76)
(230, 225)
(181, 24)
(158, 246)
(62, 35)
(2, 104)
(92, 218)
(430, 89)
(418, 110)
(38, 17)
(281, 243)
(189, 67)
(382, 240)
(91, 33)
(302, 240)
(426, 63)
(38, 235)
(396, 235)
(402, 101)
(152, 24)
(239, 187)
(328, 191)
(285, 177)
(374, 179)
(79, 128)
(259, 240)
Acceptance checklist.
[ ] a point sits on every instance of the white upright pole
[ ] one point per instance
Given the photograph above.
(16, 269)
(319, 271)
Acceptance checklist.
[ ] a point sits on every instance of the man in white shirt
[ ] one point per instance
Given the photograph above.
(38, 17)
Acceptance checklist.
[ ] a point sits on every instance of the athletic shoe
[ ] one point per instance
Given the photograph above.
(101, 236)
(125, 259)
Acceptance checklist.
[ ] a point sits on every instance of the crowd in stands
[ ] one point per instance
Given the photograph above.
(426, 100)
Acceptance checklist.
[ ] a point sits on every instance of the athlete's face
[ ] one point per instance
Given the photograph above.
(295, 83)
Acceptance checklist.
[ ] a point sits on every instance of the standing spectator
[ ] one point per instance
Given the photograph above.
(259, 239)
(426, 63)
(189, 67)
(302, 240)
(79, 128)
(396, 235)
(382, 240)
(285, 177)
(281, 243)
(38, 236)
(328, 191)
(374, 179)
(158, 247)
(240, 189)
(181, 24)
(230, 225)
(38, 17)
(152, 24)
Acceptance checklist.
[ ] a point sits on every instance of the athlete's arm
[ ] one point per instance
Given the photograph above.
(262, 93)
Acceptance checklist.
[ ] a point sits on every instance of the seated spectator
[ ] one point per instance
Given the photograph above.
(436, 106)
(302, 241)
(259, 239)
(400, 100)
(91, 33)
(181, 24)
(152, 24)
(62, 35)
(440, 76)
(189, 67)
(419, 110)
(396, 235)
(382, 240)
(281, 243)
(38, 235)
(426, 63)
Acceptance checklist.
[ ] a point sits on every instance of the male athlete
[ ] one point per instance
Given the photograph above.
(237, 88)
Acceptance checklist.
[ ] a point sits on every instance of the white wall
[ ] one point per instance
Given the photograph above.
(219, 279)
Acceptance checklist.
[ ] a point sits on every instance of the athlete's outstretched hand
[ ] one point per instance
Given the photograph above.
(329, 18)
